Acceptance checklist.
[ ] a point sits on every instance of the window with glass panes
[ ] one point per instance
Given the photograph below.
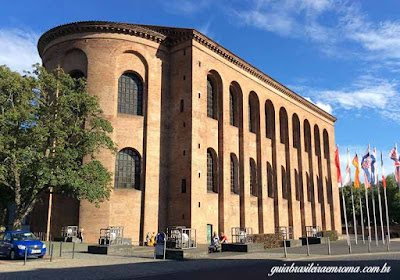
(130, 94)
(127, 170)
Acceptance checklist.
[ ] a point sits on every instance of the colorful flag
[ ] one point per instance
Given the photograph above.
(357, 173)
(393, 156)
(337, 162)
(383, 172)
(347, 176)
(374, 179)
(366, 166)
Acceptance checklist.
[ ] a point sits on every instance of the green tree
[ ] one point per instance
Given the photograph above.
(393, 197)
(51, 130)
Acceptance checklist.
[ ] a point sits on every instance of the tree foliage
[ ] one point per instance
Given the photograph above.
(51, 130)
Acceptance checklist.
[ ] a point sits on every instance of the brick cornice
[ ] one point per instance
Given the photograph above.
(171, 36)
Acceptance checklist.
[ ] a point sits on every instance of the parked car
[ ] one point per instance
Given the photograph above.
(14, 243)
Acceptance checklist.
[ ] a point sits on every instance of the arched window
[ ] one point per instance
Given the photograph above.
(212, 171)
(253, 112)
(284, 183)
(234, 174)
(283, 124)
(307, 136)
(296, 131)
(317, 141)
(127, 169)
(130, 94)
(270, 180)
(326, 144)
(297, 184)
(211, 100)
(309, 189)
(269, 119)
(253, 177)
(233, 107)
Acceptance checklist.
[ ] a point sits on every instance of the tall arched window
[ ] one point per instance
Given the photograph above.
(234, 174)
(233, 107)
(284, 183)
(127, 169)
(253, 112)
(307, 136)
(212, 171)
(297, 184)
(296, 131)
(269, 119)
(253, 177)
(283, 124)
(270, 180)
(130, 94)
(211, 100)
(309, 189)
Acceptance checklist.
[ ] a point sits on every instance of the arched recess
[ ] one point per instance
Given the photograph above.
(270, 123)
(284, 137)
(217, 105)
(237, 91)
(75, 60)
(254, 126)
(253, 178)
(212, 171)
(329, 179)
(310, 174)
(127, 174)
(234, 168)
(320, 185)
(299, 179)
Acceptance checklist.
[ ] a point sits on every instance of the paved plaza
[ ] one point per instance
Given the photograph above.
(214, 266)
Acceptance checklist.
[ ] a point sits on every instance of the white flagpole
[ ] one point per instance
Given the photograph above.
(374, 212)
(366, 204)
(345, 218)
(398, 183)
(362, 216)
(386, 205)
(352, 200)
(379, 197)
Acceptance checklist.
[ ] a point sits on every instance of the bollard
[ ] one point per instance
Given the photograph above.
(369, 246)
(48, 251)
(308, 247)
(73, 249)
(26, 255)
(349, 245)
(284, 248)
(329, 246)
(51, 252)
(387, 243)
(61, 243)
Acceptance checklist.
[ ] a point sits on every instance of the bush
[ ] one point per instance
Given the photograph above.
(332, 234)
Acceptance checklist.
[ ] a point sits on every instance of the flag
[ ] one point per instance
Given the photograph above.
(374, 170)
(356, 176)
(347, 176)
(366, 166)
(383, 172)
(393, 156)
(337, 162)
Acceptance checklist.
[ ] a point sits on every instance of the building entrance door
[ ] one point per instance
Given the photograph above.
(209, 233)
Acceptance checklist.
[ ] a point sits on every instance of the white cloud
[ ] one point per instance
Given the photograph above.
(366, 92)
(18, 49)
(328, 23)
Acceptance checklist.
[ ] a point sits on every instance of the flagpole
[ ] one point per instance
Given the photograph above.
(345, 218)
(366, 182)
(398, 183)
(374, 212)
(352, 200)
(362, 217)
(379, 198)
(386, 205)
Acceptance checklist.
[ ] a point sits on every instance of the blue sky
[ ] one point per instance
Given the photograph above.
(342, 55)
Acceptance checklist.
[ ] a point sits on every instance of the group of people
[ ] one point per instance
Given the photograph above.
(216, 241)
(153, 239)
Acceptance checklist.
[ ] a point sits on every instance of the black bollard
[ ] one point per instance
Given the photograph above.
(51, 252)
(61, 243)
(329, 246)
(73, 249)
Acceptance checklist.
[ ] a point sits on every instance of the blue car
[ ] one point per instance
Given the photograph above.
(14, 243)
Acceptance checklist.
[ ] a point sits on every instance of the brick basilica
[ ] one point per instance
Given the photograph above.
(205, 139)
